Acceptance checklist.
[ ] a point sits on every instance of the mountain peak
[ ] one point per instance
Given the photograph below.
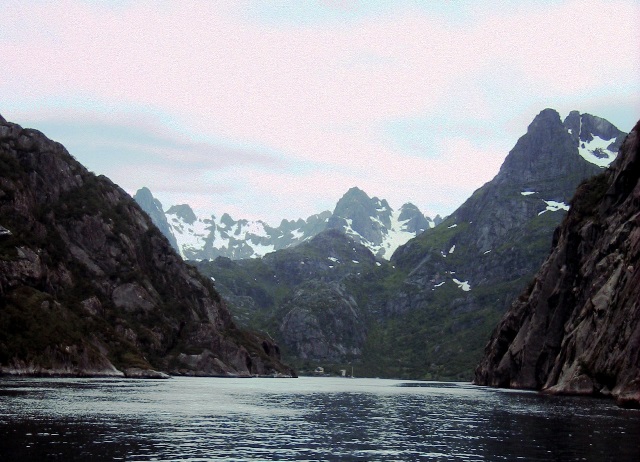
(598, 140)
(153, 208)
(545, 118)
(184, 212)
(573, 330)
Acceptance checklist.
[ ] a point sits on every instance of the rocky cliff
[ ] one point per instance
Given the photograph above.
(576, 328)
(89, 286)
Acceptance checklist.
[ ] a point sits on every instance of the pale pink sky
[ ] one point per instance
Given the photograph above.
(273, 110)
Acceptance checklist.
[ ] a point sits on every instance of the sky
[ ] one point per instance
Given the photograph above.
(272, 110)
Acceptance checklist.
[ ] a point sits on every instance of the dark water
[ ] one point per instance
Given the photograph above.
(304, 419)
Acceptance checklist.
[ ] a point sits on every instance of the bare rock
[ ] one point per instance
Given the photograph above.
(576, 329)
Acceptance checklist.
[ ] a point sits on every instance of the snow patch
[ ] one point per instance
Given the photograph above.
(464, 285)
(554, 206)
(528, 193)
(452, 226)
(596, 151)
(452, 248)
(260, 250)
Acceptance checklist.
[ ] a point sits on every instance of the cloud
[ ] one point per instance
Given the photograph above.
(254, 104)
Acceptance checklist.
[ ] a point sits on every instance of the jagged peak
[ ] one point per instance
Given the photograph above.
(409, 206)
(184, 212)
(583, 127)
(144, 194)
(545, 117)
(354, 194)
(226, 220)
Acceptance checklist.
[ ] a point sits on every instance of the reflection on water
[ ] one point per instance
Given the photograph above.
(303, 419)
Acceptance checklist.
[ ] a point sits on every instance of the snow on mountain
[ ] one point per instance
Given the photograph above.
(369, 221)
(190, 233)
(597, 151)
(200, 238)
(598, 140)
(554, 206)
(373, 223)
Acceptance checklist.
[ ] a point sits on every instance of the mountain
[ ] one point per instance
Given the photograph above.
(200, 238)
(309, 298)
(153, 207)
(455, 281)
(370, 221)
(576, 328)
(374, 224)
(89, 286)
(428, 311)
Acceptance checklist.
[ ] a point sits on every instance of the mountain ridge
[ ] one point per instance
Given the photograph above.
(370, 221)
(463, 274)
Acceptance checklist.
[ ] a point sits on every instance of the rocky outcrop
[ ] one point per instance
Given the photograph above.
(576, 329)
(323, 323)
(89, 286)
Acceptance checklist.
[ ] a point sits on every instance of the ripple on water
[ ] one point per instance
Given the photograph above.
(304, 419)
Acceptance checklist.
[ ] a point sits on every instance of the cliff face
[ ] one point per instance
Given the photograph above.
(576, 329)
(89, 286)
(308, 297)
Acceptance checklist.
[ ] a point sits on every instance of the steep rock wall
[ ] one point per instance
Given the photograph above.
(89, 286)
(576, 329)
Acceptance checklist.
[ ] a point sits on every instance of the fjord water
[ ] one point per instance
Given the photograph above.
(202, 419)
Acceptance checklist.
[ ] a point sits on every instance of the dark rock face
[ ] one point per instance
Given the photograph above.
(584, 127)
(543, 158)
(356, 208)
(416, 222)
(323, 323)
(576, 329)
(185, 213)
(89, 286)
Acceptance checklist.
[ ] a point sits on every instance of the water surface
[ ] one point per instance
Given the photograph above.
(202, 419)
